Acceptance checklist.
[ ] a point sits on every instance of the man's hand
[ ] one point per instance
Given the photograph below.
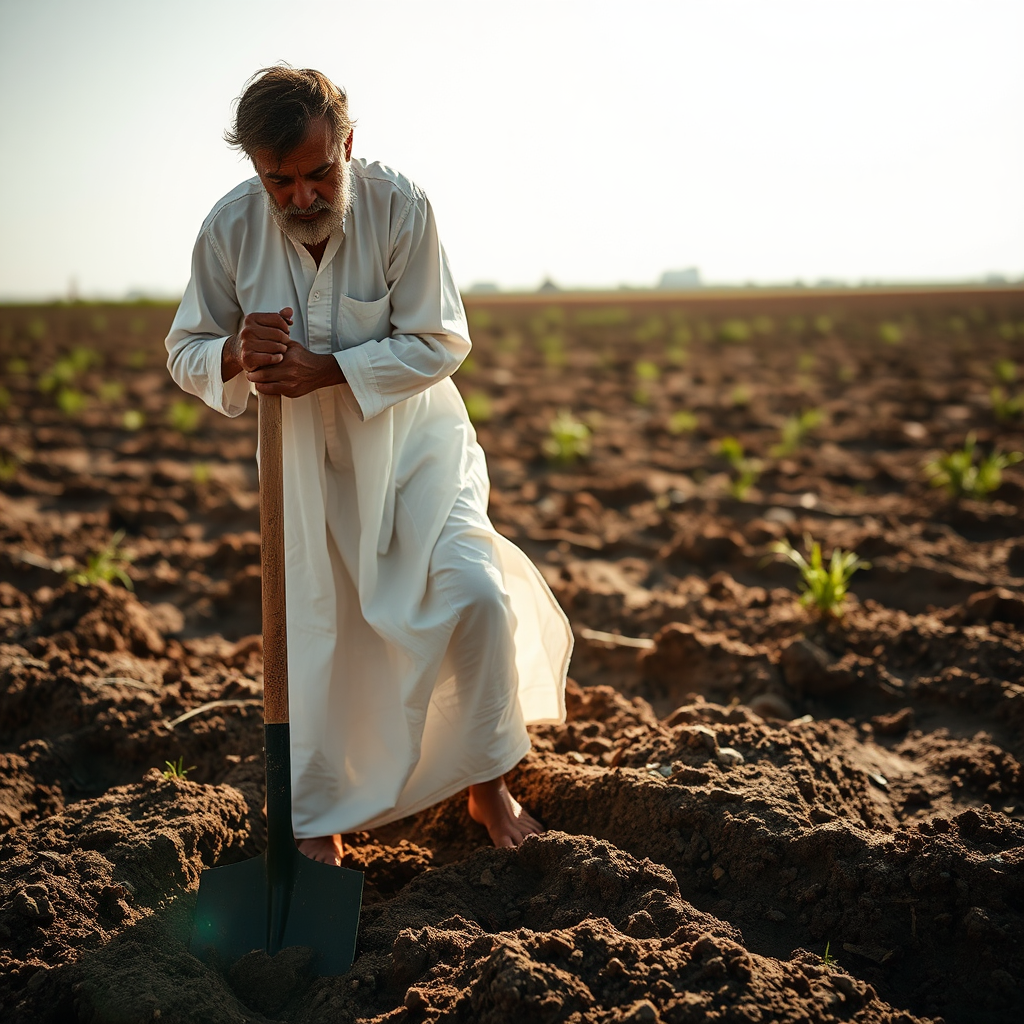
(273, 362)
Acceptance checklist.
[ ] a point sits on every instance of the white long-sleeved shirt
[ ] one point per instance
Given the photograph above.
(385, 272)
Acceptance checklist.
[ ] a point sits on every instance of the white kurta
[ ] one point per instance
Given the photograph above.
(420, 641)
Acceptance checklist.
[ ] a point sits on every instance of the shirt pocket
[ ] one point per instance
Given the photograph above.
(363, 321)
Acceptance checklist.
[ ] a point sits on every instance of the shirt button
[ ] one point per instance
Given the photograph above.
(316, 295)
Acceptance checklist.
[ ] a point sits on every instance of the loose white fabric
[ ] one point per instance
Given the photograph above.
(420, 641)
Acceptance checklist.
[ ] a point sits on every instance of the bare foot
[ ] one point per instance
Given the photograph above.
(326, 849)
(494, 807)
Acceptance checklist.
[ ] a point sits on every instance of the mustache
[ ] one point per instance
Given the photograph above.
(319, 204)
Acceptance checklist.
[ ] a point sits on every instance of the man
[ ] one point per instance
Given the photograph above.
(420, 641)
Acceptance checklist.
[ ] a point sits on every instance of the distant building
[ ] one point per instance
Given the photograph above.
(484, 287)
(679, 280)
(547, 285)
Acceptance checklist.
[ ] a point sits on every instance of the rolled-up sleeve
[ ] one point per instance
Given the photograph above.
(207, 316)
(430, 335)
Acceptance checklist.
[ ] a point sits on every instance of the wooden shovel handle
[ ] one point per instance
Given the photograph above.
(275, 630)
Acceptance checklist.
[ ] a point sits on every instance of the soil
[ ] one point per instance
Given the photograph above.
(755, 812)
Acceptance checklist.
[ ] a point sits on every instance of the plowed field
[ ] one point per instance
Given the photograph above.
(743, 783)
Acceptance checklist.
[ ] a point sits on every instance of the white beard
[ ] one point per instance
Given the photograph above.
(315, 232)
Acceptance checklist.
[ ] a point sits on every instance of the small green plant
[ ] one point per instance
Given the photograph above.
(552, 347)
(568, 439)
(740, 396)
(1005, 371)
(5, 398)
(177, 769)
(682, 335)
(828, 961)
(107, 564)
(823, 586)
(133, 419)
(745, 469)
(682, 422)
(651, 329)
(17, 367)
(646, 371)
(962, 477)
(468, 367)
(734, 332)
(71, 401)
(1006, 407)
(110, 391)
(478, 406)
(794, 430)
(8, 467)
(137, 360)
(890, 333)
(806, 362)
(200, 473)
(184, 416)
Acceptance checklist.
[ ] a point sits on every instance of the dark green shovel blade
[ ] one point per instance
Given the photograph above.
(239, 910)
(281, 898)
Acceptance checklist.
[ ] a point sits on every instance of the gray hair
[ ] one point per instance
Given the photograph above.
(280, 104)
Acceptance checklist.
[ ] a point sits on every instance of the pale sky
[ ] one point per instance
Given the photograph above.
(595, 143)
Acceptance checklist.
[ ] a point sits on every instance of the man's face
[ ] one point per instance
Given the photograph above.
(309, 190)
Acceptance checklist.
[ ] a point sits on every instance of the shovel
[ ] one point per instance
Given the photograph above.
(281, 898)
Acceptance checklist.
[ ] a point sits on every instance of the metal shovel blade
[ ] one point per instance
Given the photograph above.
(240, 910)
(281, 898)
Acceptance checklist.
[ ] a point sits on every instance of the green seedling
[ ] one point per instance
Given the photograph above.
(177, 769)
(764, 325)
(184, 416)
(478, 406)
(794, 430)
(828, 961)
(107, 564)
(682, 335)
(958, 473)
(1006, 407)
(71, 401)
(890, 333)
(110, 391)
(740, 396)
(746, 470)
(568, 439)
(83, 358)
(17, 367)
(651, 329)
(1005, 371)
(552, 347)
(806, 362)
(37, 329)
(133, 420)
(8, 467)
(822, 586)
(5, 398)
(62, 373)
(1007, 331)
(646, 371)
(200, 473)
(137, 360)
(468, 367)
(682, 422)
(734, 332)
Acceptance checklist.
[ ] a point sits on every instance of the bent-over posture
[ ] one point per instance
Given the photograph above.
(420, 641)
